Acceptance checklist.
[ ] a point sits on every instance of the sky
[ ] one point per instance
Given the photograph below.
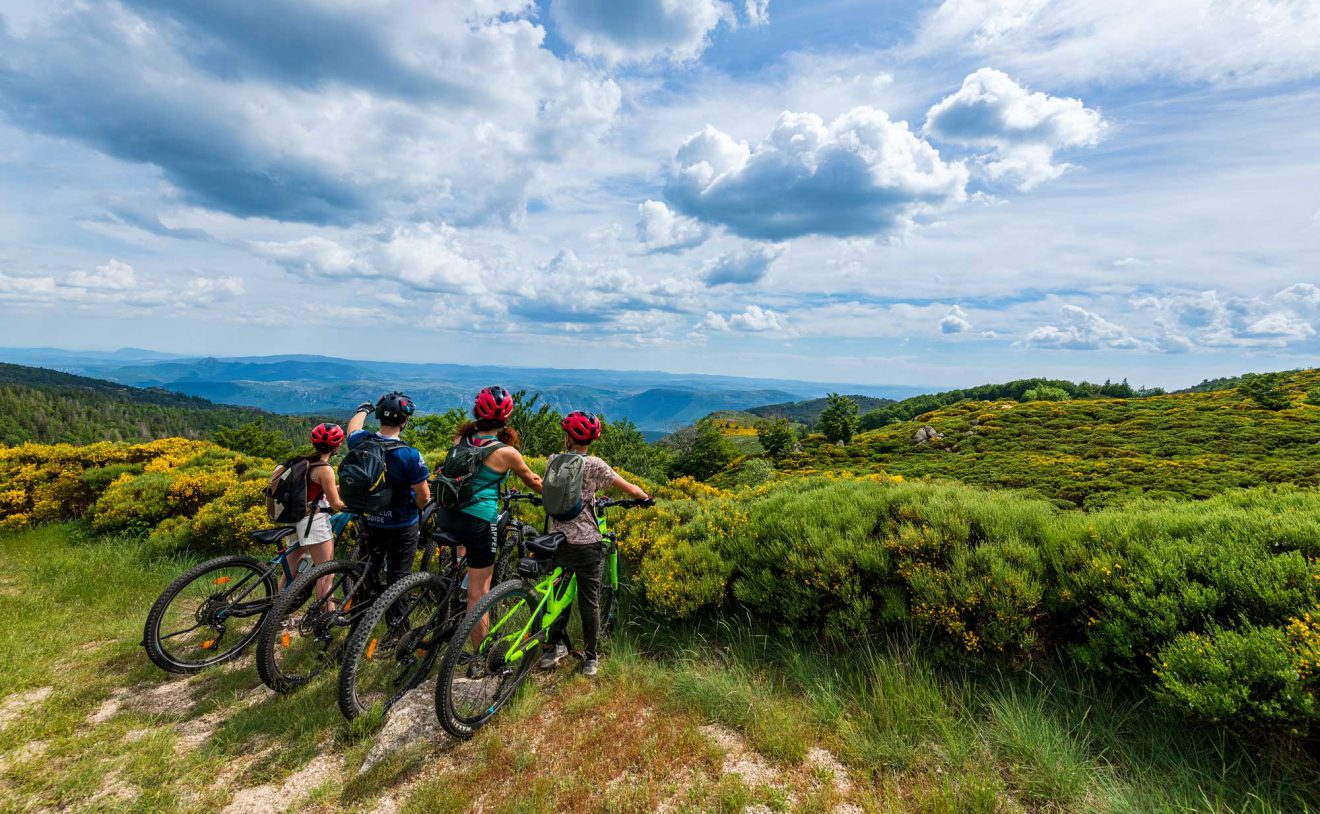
(869, 191)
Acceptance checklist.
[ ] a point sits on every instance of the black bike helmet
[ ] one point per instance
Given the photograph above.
(394, 408)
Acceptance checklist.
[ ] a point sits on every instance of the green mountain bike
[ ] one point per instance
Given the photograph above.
(524, 615)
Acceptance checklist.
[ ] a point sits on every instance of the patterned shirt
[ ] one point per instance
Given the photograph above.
(596, 474)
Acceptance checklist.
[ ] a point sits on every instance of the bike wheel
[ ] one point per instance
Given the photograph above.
(464, 704)
(393, 647)
(209, 614)
(506, 560)
(304, 634)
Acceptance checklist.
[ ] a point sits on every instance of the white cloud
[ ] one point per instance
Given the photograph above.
(1206, 319)
(1082, 330)
(753, 319)
(211, 289)
(659, 229)
(27, 289)
(955, 322)
(424, 257)
(111, 276)
(757, 12)
(1023, 128)
(1221, 41)
(639, 30)
(861, 174)
(740, 268)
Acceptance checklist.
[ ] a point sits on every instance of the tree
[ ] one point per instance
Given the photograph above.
(1046, 393)
(839, 421)
(253, 438)
(1266, 389)
(538, 424)
(624, 446)
(702, 450)
(776, 435)
(434, 432)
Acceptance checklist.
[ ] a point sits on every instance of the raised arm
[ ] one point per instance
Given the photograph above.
(359, 419)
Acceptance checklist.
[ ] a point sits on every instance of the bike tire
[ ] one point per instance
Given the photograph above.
(163, 656)
(459, 723)
(355, 698)
(319, 643)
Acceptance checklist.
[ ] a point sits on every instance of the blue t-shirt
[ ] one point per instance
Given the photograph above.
(404, 467)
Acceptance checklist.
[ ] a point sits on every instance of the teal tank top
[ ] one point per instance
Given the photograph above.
(486, 492)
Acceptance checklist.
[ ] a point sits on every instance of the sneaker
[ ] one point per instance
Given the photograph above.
(590, 667)
(550, 660)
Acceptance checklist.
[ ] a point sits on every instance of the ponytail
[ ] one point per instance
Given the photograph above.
(507, 435)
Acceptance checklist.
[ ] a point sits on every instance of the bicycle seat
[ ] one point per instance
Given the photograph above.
(444, 538)
(271, 536)
(545, 545)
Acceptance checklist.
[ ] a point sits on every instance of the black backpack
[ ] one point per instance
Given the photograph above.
(362, 483)
(286, 492)
(454, 484)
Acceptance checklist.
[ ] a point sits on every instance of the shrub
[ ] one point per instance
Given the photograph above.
(1266, 389)
(777, 436)
(1258, 674)
(134, 503)
(224, 523)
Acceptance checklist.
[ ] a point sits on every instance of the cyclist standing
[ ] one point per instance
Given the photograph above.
(474, 523)
(579, 474)
(315, 534)
(393, 534)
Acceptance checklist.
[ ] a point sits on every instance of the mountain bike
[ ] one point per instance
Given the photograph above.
(525, 614)
(405, 631)
(213, 611)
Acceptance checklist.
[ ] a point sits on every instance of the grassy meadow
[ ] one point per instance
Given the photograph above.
(716, 715)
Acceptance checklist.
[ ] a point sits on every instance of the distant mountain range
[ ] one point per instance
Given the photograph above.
(656, 401)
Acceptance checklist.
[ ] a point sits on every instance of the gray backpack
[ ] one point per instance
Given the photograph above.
(561, 488)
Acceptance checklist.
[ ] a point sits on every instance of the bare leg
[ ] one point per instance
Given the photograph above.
(478, 586)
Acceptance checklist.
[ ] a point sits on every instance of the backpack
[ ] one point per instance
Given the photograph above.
(561, 488)
(286, 491)
(363, 485)
(455, 483)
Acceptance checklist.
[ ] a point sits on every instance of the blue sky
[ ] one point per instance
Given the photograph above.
(929, 193)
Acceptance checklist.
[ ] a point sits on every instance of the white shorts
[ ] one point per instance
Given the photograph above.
(321, 531)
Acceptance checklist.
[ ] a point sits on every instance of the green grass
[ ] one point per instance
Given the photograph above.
(911, 736)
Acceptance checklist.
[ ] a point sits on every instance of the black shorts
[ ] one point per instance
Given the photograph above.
(481, 539)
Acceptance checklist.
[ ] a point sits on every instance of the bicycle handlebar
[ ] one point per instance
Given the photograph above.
(513, 495)
(631, 503)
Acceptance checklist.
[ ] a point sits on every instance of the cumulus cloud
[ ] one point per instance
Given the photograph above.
(639, 30)
(214, 289)
(569, 292)
(312, 110)
(114, 276)
(660, 229)
(1082, 330)
(753, 319)
(955, 322)
(1221, 41)
(1024, 129)
(423, 257)
(1208, 319)
(860, 175)
(740, 268)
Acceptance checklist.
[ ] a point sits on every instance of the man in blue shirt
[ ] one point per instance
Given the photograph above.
(393, 534)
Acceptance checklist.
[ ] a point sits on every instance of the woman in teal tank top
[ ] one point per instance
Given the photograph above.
(474, 524)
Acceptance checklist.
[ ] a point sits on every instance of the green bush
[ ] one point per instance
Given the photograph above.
(1233, 676)
(134, 504)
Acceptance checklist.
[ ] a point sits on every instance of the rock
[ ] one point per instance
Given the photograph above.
(838, 443)
(925, 434)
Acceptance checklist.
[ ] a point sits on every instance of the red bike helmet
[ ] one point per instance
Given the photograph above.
(581, 427)
(493, 404)
(327, 435)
